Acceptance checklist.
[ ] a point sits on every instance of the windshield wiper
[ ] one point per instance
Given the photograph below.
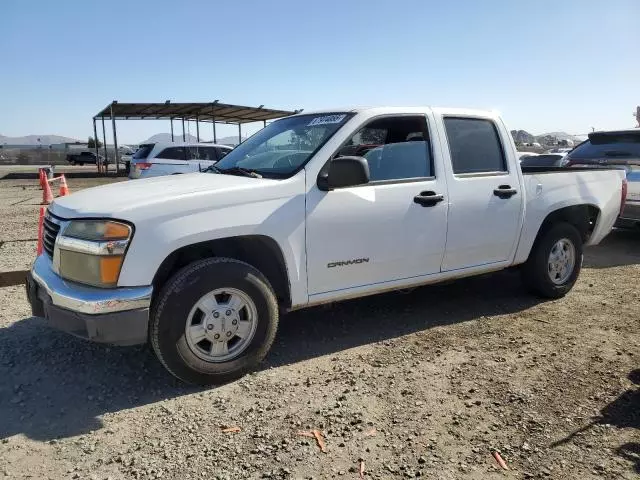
(240, 171)
(211, 168)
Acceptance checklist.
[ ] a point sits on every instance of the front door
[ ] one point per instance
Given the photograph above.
(485, 201)
(388, 229)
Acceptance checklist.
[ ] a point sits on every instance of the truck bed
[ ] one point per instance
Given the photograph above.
(529, 170)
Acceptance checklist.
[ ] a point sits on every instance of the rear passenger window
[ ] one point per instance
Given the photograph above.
(474, 145)
(173, 153)
(396, 148)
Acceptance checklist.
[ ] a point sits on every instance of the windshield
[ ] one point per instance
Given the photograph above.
(282, 147)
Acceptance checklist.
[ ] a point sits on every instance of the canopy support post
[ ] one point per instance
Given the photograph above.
(239, 133)
(104, 145)
(171, 120)
(213, 122)
(115, 138)
(95, 143)
(197, 129)
(184, 138)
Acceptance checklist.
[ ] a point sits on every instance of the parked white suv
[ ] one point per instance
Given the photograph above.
(157, 159)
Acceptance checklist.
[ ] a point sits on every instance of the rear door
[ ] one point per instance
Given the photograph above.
(485, 201)
(170, 160)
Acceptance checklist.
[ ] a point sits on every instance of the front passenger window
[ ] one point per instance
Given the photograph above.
(396, 148)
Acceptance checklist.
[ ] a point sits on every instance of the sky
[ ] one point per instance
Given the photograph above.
(563, 65)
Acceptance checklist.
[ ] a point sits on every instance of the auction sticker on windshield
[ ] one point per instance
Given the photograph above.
(326, 120)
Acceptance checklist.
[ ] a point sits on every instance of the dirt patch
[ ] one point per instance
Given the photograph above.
(423, 385)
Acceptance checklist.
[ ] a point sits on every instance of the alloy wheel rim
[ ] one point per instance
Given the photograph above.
(561, 262)
(221, 325)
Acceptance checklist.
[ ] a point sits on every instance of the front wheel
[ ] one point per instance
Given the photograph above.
(554, 262)
(214, 321)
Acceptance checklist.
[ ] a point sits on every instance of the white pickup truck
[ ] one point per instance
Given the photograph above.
(314, 208)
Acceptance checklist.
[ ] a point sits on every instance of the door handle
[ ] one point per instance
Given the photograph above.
(428, 199)
(505, 191)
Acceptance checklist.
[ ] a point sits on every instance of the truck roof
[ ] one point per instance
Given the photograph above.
(630, 131)
(187, 144)
(399, 109)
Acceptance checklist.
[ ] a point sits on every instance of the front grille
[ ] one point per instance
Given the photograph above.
(51, 230)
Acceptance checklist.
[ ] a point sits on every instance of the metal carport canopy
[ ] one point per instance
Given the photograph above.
(214, 112)
(211, 111)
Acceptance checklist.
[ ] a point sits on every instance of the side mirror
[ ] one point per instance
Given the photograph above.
(343, 172)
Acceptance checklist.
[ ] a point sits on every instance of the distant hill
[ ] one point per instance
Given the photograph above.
(33, 140)
(522, 136)
(166, 138)
(232, 140)
(562, 136)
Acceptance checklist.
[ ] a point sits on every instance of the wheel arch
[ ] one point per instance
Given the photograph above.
(584, 217)
(260, 251)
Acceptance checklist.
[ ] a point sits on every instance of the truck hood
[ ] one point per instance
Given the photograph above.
(123, 199)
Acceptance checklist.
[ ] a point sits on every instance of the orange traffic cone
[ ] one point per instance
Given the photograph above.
(40, 230)
(64, 190)
(41, 178)
(47, 195)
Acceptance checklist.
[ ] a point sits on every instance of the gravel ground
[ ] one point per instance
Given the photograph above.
(17, 255)
(420, 385)
(19, 205)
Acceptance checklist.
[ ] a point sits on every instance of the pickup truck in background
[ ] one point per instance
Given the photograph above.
(614, 149)
(201, 265)
(81, 158)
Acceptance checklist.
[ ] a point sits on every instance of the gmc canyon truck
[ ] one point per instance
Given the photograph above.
(201, 265)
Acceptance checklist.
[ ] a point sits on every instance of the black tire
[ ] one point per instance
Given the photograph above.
(82, 164)
(74, 163)
(182, 291)
(535, 271)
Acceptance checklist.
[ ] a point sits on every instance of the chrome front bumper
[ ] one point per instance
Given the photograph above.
(119, 316)
(85, 299)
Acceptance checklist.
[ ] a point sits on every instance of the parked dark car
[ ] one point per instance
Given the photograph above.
(614, 149)
(82, 157)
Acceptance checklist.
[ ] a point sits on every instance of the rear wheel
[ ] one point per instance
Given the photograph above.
(555, 261)
(214, 321)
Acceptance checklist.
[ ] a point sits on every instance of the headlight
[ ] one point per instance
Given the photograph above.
(97, 230)
(92, 251)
